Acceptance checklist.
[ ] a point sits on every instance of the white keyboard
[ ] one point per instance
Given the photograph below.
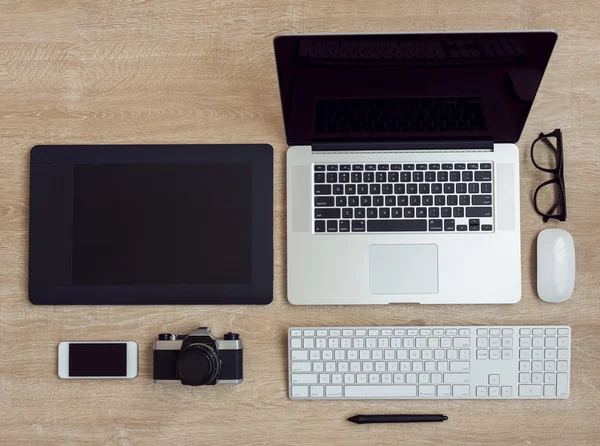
(429, 362)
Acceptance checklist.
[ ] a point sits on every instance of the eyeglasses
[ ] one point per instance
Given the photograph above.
(547, 155)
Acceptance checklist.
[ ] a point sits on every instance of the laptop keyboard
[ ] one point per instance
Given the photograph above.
(415, 197)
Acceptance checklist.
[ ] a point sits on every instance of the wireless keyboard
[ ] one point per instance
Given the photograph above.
(429, 362)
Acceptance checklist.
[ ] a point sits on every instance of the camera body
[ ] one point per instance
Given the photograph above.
(198, 358)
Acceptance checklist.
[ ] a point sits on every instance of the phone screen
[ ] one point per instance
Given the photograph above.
(101, 359)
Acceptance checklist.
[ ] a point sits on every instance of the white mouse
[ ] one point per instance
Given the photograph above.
(555, 265)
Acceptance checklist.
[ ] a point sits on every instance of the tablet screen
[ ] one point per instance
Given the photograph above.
(162, 224)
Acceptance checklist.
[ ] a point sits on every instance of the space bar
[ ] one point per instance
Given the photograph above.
(379, 391)
(396, 225)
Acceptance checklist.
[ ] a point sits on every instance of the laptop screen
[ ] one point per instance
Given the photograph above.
(399, 87)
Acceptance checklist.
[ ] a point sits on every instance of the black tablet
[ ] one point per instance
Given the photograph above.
(151, 224)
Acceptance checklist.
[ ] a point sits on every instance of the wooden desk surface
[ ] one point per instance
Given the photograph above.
(94, 71)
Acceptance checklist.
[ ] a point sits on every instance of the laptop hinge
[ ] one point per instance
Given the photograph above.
(401, 145)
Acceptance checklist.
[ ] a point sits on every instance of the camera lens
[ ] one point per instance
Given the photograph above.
(198, 364)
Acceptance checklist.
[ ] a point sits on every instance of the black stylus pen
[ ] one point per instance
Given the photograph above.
(364, 419)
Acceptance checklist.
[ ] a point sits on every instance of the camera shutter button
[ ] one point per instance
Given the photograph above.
(231, 336)
(166, 337)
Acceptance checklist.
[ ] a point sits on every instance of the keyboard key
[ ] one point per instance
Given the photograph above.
(482, 200)
(473, 188)
(299, 391)
(449, 224)
(423, 188)
(357, 167)
(467, 176)
(486, 188)
(383, 167)
(384, 212)
(403, 200)
(390, 200)
(363, 189)
(417, 177)
(374, 189)
(436, 188)
(434, 167)
(461, 391)
(421, 212)
(452, 200)
(324, 201)
(442, 177)
(397, 391)
(365, 201)
(479, 212)
(447, 166)
(323, 189)
(338, 189)
(396, 225)
(399, 189)
(427, 200)
(332, 167)
(464, 200)
(483, 176)
(332, 177)
(411, 188)
(368, 177)
(473, 166)
(458, 212)
(446, 212)
(344, 177)
(358, 226)
(430, 177)
(434, 213)
(350, 189)
(341, 201)
(396, 167)
(530, 390)
(454, 176)
(435, 225)
(405, 177)
(345, 167)
(461, 188)
(319, 167)
(319, 177)
(359, 213)
(327, 213)
(408, 167)
(415, 200)
(319, 225)
(356, 177)
(332, 226)
(370, 167)
(485, 166)
(372, 213)
(421, 166)
(409, 212)
(381, 177)
(393, 177)
(459, 166)
(439, 200)
(344, 226)
(486, 227)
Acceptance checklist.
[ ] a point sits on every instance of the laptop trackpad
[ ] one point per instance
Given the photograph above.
(403, 269)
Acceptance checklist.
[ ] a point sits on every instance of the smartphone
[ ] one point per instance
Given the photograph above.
(98, 359)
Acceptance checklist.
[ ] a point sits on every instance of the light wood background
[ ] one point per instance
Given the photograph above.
(151, 71)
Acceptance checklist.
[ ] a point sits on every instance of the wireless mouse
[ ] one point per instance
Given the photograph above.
(555, 265)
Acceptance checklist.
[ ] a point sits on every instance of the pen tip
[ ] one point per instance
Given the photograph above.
(445, 417)
(354, 419)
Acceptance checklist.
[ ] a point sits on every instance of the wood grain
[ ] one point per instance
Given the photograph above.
(150, 71)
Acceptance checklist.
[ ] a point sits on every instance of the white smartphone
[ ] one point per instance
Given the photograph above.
(98, 359)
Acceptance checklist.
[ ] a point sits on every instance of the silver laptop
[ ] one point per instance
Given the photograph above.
(403, 173)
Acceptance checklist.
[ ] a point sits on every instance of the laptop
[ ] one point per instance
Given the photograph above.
(402, 170)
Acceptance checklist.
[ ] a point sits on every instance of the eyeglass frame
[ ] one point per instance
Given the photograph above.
(558, 176)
